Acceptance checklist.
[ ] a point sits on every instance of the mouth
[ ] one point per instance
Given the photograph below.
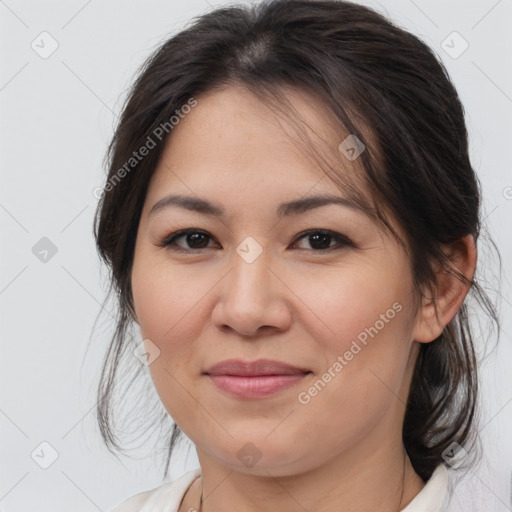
(256, 379)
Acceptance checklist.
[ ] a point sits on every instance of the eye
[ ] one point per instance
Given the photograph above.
(320, 240)
(195, 239)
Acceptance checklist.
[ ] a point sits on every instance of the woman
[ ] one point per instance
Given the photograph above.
(291, 221)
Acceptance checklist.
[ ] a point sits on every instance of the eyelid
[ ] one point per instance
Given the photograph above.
(167, 241)
(340, 238)
(323, 231)
(343, 241)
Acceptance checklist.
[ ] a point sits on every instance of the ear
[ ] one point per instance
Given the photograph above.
(449, 291)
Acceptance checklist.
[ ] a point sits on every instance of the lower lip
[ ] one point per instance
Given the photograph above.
(255, 387)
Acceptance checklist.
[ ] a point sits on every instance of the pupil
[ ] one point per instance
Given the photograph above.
(194, 240)
(322, 237)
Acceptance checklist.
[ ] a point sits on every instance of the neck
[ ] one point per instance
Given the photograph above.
(350, 483)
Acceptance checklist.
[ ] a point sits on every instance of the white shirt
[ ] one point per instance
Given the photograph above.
(167, 497)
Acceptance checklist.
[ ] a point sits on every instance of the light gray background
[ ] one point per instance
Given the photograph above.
(57, 116)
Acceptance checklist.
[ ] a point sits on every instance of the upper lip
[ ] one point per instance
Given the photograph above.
(253, 368)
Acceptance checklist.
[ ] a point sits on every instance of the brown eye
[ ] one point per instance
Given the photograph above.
(193, 239)
(320, 240)
(196, 240)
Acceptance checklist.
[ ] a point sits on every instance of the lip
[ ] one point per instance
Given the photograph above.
(238, 367)
(254, 379)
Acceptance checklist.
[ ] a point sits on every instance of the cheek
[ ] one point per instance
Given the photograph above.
(168, 308)
(360, 320)
(344, 304)
(167, 301)
(362, 381)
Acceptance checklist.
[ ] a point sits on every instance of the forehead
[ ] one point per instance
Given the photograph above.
(234, 139)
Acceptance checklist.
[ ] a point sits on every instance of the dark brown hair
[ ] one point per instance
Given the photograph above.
(373, 76)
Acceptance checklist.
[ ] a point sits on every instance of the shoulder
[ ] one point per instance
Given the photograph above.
(164, 498)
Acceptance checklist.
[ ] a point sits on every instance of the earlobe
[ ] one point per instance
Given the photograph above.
(449, 291)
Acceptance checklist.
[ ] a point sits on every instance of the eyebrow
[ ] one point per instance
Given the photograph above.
(295, 207)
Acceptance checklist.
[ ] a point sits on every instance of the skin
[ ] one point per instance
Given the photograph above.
(294, 303)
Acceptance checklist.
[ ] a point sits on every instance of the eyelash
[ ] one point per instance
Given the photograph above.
(170, 239)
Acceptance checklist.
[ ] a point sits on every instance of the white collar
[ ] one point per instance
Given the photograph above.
(432, 496)
(430, 499)
(168, 496)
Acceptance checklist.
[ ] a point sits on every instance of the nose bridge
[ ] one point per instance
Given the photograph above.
(249, 285)
(250, 275)
(251, 295)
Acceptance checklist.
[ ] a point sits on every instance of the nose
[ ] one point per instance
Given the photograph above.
(253, 299)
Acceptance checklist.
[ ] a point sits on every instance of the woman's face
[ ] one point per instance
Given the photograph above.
(251, 283)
